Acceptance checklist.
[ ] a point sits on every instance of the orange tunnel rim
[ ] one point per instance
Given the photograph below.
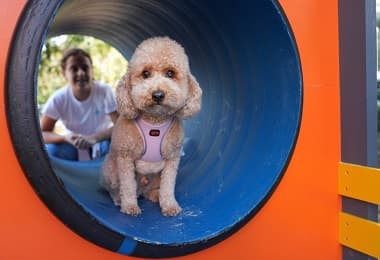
(35, 163)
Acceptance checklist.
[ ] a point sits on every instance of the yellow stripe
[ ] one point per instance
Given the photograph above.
(359, 234)
(359, 182)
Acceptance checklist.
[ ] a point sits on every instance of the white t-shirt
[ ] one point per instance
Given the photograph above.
(82, 117)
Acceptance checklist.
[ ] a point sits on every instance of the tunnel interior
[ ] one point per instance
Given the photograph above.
(237, 148)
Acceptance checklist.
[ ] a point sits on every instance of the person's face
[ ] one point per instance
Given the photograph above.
(78, 72)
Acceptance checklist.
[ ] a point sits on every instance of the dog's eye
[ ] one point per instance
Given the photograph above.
(145, 74)
(170, 74)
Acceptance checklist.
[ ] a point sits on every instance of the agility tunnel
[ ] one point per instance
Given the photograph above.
(258, 178)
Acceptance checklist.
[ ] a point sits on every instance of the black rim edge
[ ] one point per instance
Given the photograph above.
(22, 120)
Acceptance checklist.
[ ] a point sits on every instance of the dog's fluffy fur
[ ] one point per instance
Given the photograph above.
(124, 175)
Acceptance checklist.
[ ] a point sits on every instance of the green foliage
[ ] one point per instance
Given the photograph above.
(109, 65)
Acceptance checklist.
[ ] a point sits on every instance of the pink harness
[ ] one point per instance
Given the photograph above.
(152, 136)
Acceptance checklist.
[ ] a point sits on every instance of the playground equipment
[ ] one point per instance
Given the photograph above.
(259, 176)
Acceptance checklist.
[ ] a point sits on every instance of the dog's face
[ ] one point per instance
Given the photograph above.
(158, 77)
(159, 81)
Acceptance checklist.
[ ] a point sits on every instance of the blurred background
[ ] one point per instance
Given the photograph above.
(108, 64)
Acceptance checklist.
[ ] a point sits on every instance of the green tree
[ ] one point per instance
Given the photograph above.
(109, 65)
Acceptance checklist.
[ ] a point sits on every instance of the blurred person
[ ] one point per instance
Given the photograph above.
(87, 109)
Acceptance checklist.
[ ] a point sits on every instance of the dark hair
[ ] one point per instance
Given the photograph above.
(73, 52)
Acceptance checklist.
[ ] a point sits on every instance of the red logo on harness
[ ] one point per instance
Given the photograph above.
(154, 132)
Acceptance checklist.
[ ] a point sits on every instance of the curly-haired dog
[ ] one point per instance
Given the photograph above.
(157, 92)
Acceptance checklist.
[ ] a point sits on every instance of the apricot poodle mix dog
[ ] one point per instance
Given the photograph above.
(157, 92)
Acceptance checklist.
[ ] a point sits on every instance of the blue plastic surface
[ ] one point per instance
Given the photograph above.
(244, 57)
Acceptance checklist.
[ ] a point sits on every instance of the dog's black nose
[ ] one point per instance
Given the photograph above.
(158, 95)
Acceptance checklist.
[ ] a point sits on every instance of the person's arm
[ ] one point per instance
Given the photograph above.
(47, 126)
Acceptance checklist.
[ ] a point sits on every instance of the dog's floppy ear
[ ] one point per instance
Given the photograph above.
(125, 105)
(194, 100)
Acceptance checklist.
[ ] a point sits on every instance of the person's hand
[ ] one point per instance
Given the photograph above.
(80, 141)
(71, 138)
(84, 142)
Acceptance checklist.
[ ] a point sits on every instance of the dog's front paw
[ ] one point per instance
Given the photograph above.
(171, 210)
(131, 209)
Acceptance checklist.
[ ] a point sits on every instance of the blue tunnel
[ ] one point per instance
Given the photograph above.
(236, 149)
